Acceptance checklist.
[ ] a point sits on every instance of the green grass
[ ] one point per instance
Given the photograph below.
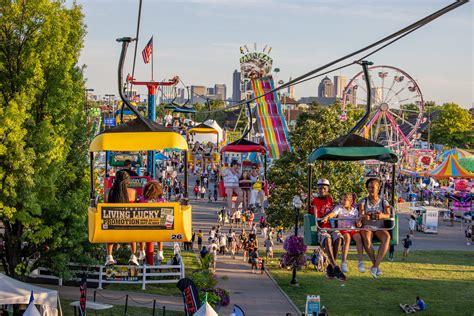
(191, 264)
(119, 310)
(444, 279)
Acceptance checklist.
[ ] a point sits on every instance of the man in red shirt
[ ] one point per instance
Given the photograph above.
(329, 241)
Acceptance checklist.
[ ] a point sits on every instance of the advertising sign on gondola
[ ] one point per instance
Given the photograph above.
(143, 217)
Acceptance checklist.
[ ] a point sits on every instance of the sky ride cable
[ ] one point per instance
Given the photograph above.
(397, 35)
(136, 41)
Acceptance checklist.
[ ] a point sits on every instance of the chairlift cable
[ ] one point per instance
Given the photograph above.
(136, 41)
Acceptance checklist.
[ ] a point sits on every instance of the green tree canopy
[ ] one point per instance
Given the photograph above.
(453, 127)
(288, 175)
(43, 145)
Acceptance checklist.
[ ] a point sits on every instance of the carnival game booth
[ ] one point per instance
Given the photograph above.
(237, 151)
(349, 148)
(14, 292)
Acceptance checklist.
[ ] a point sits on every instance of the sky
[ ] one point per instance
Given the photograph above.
(199, 40)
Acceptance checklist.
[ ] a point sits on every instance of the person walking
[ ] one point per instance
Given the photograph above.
(199, 237)
(254, 259)
(412, 224)
(406, 247)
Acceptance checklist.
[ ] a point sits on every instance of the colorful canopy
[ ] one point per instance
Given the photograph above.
(450, 168)
(456, 153)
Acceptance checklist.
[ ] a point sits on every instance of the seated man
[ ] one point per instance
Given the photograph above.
(329, 241)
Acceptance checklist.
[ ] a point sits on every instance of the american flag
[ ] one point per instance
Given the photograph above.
(147, 51)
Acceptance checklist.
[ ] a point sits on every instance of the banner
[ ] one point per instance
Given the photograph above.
(144, 217)
(190, 296)
(255, 65)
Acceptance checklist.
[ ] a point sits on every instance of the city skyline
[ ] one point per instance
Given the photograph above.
(438, 56)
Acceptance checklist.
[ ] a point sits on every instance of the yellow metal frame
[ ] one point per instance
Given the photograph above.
(181, 230)
(138, 141)
(203, 130)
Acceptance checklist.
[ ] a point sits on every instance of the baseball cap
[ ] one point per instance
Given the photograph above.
(323, 182)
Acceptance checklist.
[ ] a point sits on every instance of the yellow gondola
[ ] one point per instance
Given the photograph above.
(204, 129)
(137, 222)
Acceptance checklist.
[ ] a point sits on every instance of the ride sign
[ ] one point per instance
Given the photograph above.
(143, 217)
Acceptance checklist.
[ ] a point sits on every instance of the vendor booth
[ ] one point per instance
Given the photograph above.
(14, 292)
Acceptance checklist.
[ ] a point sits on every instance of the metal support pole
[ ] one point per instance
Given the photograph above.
(126, 305)
(185, 194)
(310, 185)
(154, 307)
(151, 167)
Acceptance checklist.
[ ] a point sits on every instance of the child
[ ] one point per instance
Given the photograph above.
(254, 259)
(199, 236)
(196, 191)
(268, 248)
(202, 190)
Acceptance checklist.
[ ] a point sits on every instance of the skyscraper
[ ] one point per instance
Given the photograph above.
(339, 85)
(198, 94)
(220, 90)
(236, 95)
(325, 88)
(291, 90)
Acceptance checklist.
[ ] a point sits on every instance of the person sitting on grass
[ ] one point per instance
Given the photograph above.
(329, 241)
(346, 210)
(419, 305)
(373, 211)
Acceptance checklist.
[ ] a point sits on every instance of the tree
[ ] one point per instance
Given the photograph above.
(288, 175)
(43, 143)
(453, 127)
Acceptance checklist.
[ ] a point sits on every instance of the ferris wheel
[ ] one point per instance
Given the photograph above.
(396, 102)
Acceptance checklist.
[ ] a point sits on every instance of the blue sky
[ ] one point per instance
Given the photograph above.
(199, 40)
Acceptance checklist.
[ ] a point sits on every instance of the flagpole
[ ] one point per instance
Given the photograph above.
(152, 49)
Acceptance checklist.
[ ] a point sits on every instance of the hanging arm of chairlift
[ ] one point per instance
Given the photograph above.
(125, 42)
(247, 131)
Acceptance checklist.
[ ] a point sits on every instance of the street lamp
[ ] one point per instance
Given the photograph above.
(297, 204)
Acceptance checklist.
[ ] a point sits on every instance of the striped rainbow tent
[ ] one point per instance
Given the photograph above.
(450, 168)
(456, 153)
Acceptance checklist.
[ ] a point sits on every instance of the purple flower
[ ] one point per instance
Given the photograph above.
(295, 252)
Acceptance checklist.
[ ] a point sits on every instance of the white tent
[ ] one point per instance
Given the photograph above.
(16, 292)
(206, 310)
(204, 138)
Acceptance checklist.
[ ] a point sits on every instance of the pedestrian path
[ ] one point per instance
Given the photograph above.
(255, 293)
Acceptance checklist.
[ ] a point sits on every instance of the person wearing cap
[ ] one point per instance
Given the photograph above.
(374, 210)
(322, 205)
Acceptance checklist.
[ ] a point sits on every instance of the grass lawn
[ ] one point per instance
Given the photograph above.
(119, 310)
(191, 264)
(444, 279)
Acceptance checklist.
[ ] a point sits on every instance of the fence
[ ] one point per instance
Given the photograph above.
(142, 274)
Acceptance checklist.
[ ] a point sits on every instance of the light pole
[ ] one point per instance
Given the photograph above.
(297, 204)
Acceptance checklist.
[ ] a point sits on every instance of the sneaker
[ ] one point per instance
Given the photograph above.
(379, 272)
(373, 271)
(110, 260)
(468, 243)
(361, 266)
(159, 256)
(330, 272)
(142, 255)
(344, 267)
(133, 260)
(338, 274)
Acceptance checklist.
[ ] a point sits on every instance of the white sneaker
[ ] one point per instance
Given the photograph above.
(142, 255)
(468, 243)
(160, 256)
(361, 266)
(110, 260)
(344, 267)
(373, 271)
(133, 260)
(379, 272)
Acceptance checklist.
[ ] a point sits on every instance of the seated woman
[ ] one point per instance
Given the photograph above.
(346, 210)
(152, 193)
(120, 193)
(373, 211)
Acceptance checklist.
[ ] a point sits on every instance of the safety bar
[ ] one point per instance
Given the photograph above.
(355, 229)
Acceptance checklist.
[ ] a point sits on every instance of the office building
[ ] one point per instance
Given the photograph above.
(339, 85)
(198, 94)
(291, 90)
(325, 88)
(236, 86)
(220, 91)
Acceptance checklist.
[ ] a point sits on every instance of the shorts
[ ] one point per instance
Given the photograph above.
(323, 234)
(350, 232)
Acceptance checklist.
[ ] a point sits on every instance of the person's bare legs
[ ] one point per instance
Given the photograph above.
(384, 238)
(110, 248)
(367, 237)
(347, 244)
(359, 246)
(133, 246)
(228, 193)
(239, 200)
(336, 245)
